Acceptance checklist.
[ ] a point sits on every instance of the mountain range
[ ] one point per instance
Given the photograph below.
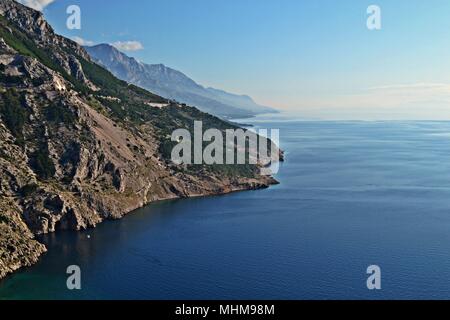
(79, 146)
(175, 85)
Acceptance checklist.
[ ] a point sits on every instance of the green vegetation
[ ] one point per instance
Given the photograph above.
(29, 189)
(59, 113)
(10, 80)
(95, 104)
(14, 113)
(174, 117)
(110, 85)
(4, 219)
(41, 162)
(16, 40)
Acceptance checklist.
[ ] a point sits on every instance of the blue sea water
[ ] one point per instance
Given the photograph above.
(352, 194)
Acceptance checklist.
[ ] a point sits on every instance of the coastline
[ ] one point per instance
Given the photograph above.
(33, 256)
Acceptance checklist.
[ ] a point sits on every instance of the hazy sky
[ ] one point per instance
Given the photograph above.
(315, 56)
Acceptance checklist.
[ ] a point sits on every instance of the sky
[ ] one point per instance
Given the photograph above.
(315, 57)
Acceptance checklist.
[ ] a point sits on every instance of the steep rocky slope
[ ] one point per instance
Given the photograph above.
(78, 146)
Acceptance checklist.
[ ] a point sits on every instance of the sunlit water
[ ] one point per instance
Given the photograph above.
(352, 194)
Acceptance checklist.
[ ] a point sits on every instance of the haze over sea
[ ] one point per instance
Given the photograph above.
(352, 194)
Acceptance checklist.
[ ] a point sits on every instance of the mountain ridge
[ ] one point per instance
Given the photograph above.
(174, 84)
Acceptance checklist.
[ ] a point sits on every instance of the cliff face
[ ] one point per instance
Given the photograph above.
(78, 146)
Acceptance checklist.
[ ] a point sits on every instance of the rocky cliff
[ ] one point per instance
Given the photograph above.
(78, 146)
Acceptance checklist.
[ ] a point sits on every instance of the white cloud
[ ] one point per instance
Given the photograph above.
(414, 93)
(390, 96)
(128, 45)
(414, 86)
(411, 101)
(83, 42)
(36, 4)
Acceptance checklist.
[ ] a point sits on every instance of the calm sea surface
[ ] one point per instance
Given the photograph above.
(352, 194)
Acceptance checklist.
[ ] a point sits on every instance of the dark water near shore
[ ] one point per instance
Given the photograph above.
(352, 194)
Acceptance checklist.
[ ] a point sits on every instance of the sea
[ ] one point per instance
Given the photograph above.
(352, 194)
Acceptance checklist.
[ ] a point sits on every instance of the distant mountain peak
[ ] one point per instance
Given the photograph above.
(174, 84)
